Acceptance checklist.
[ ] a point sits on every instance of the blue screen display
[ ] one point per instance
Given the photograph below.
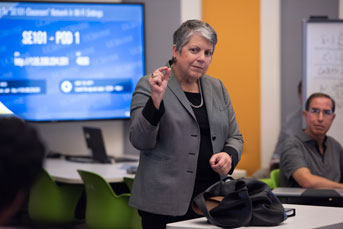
(70, 61)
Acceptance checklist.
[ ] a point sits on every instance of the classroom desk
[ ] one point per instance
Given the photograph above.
(306, 217)
(238, 173)
(66, 171)
(323, 197)
(297, 192)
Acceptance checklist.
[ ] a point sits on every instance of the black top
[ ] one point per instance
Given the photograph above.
(205, 176)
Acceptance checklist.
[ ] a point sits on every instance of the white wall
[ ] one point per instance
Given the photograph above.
(191, 9)
(270, 78)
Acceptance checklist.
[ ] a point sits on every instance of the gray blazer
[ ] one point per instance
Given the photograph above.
(166, 173)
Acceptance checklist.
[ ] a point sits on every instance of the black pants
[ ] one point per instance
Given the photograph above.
(156, 221)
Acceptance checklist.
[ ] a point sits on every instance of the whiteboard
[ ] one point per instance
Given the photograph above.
(323, 66)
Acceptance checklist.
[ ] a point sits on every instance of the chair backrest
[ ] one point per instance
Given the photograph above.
(136, 218)
(268, 181)
(274, 175)
(103, 207)
(129, 182)
(53, 204)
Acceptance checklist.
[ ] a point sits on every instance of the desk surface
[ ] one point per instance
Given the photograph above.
(66, 171)
(303, 192)
(306, 217)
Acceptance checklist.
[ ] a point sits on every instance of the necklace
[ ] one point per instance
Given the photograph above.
(201, 99)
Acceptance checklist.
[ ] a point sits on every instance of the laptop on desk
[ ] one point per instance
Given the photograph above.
(303, 192)
(288, 192)
(321, 193)
(321, 197)
(95, 144)
(340, 191)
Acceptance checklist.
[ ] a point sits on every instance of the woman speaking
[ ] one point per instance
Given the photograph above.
(183, 123)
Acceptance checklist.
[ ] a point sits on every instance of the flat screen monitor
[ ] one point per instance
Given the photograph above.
(66, 61)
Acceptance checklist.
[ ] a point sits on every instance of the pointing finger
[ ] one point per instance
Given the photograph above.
(166, 74)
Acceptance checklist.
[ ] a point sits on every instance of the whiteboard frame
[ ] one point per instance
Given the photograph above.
(305, 94)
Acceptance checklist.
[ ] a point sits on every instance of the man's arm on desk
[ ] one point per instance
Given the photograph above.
(306, 179)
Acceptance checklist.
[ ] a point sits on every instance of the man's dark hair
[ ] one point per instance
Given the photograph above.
(300, 86)
(319, 95)
(21, 158)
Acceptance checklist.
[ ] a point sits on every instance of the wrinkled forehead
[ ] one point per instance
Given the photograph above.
(322, 103)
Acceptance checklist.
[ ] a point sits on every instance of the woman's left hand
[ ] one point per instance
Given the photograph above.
(221, 163)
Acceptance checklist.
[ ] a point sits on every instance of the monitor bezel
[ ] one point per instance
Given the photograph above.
(95, 3)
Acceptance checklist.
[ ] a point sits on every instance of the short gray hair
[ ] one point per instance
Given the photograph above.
(183, 34)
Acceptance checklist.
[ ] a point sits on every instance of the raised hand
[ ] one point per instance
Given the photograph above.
(158, 82)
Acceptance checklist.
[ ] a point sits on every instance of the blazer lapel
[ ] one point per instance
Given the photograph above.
(176, 89)
(207, 95)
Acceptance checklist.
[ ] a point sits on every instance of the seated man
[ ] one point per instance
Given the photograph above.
(21, 160)
(311, 159)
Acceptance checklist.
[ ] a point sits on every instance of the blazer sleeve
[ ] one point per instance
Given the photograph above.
(142, 132)
(234, 141)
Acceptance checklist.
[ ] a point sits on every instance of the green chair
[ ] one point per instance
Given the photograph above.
(105, 209)
(129, 182)
(273, 181)
(50, 203)
(274, 176)
(268, 181)
(136, 218)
